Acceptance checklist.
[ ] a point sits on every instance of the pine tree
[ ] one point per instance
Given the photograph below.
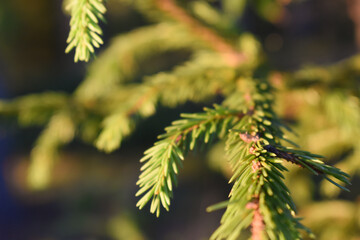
(108, 105)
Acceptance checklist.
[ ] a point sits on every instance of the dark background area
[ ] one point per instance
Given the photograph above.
(94, 192)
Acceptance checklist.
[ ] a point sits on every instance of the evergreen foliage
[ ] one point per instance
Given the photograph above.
(108, 104)
(164, 159)
(85, 30)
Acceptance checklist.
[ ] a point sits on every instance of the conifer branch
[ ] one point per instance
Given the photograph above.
(169, 89)
(59, 131)
(138, 102)
(163, 160)
(311, 162)
(85, 31)
(34, 109)
(258, 190)
(119, 62)
(217, 43)
(333, 76)
(259, 199)
(254, 136)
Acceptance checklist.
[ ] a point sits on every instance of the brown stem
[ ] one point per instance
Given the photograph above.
(257, 224)
(230, 55)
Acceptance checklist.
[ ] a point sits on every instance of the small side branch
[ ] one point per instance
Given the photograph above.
(290, 157)
(282, 154)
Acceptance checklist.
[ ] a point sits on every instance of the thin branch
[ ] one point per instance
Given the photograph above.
(257, 224)
(290, 157)
(230, 55)
(282, 154)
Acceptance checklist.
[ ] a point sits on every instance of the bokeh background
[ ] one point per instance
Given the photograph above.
(92, 195)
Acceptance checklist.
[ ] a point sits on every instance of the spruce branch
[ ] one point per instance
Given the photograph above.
(311, 162)
(34, 109)
(137, 101)
(338, 75)
(217, 43)
(85, 31)
(254, 136)
(59, 131)
(118, 64)
(198, 80)
(159, 175)
(120, 123)
(163, 160)
(259, 198)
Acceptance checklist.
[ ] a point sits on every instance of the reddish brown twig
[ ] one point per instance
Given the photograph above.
(230, 55)
(257, 224)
